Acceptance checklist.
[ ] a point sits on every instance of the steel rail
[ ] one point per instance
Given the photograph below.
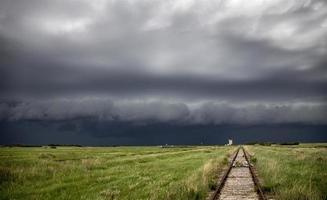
(216, 194)
(254, 178)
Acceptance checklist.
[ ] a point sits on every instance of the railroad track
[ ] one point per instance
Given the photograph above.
(239, 181)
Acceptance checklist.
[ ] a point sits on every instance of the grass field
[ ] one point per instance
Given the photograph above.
(292, 172)
(109, 172)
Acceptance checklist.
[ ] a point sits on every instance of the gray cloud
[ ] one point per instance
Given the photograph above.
(260, 114)
(158, 111)
(267, 59)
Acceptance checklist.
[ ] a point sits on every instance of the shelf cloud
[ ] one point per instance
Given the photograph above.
(164, 112)
(176, 61)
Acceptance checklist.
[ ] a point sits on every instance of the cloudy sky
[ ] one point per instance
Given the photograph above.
(210, 62)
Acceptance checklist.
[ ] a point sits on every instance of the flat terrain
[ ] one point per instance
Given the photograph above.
(109, 172)
(292, 172)
(287, 172)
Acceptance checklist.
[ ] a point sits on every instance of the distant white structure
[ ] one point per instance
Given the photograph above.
(230, 142)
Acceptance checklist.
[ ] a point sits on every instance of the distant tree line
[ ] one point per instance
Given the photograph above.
(272, 143)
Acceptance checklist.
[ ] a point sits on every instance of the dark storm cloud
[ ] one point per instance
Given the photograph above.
(72, 82)
(160, 111)
(266, 59)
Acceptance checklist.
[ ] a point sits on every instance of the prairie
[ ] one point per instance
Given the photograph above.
(292, 172)
(110, 172)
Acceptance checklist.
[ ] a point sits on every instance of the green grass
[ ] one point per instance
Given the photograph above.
(292, 172)
(109, 173)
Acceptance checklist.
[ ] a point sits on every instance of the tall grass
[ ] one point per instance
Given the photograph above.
(292, 173)
(109, 173)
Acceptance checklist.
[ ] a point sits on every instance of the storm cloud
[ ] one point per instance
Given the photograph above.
(164, 112)
(182, 61)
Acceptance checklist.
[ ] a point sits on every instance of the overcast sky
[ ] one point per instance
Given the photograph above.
(180, 61)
